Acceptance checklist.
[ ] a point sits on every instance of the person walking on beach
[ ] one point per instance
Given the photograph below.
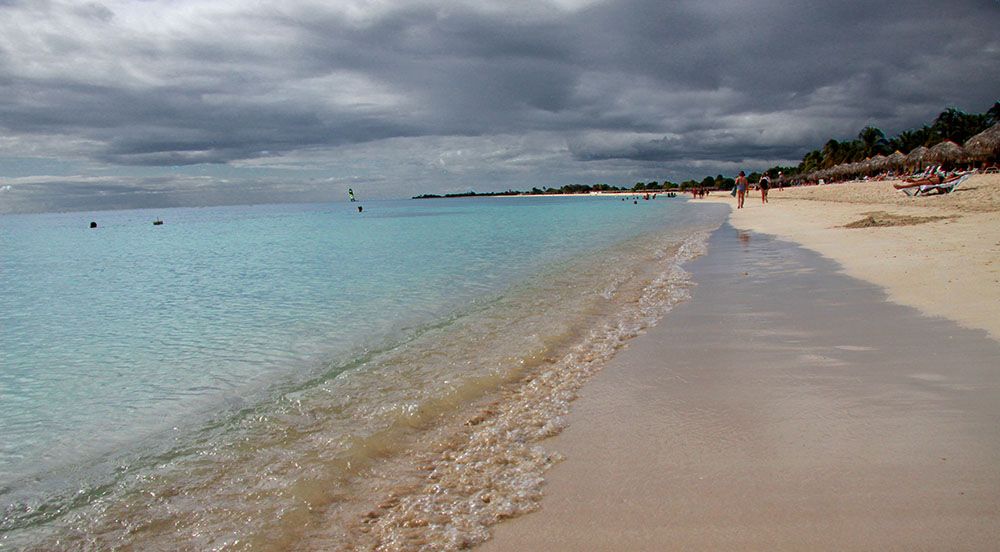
(765, 184)
(741, 189)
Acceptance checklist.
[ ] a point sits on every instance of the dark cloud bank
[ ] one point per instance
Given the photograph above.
(443, 95)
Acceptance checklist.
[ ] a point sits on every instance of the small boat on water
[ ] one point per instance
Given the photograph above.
(157, 222)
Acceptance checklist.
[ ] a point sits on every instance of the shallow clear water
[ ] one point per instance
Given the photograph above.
(239, 376)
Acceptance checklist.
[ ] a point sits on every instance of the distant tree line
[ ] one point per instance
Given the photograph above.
(568, 189)
(952, 124)
(639, 187)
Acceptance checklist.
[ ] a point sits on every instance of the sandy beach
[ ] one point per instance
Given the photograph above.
(827, 388)
(938, 253)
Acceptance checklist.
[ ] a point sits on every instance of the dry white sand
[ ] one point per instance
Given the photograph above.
(789, 406)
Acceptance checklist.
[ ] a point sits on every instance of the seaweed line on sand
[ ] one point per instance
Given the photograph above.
(882, 218)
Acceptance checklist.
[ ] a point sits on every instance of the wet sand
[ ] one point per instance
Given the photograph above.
(788, 406)
(938, 253)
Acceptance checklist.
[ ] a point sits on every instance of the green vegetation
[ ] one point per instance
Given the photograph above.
(639, 187)
(568, 189)
(952, 124)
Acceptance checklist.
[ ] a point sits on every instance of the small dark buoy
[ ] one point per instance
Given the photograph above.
(93, 224)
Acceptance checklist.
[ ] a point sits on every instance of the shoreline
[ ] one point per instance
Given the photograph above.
(803, 399)
(946, 267)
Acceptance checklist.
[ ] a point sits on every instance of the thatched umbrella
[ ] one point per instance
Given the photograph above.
(917, 157)
(947, 153)
(876, 164)
(895, 161)
(860, 167)
(984, 145)
(864, 167)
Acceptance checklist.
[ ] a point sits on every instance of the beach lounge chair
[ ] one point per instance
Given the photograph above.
(923, 181)
(941, 188)
(923, 175)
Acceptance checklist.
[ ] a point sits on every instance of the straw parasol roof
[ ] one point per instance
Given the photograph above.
(896, 160)
(863, 166)
(984, 144)
(918, 156)
(947, 152)
(866, 166)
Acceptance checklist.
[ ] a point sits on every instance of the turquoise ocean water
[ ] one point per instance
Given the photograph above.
(306, 376)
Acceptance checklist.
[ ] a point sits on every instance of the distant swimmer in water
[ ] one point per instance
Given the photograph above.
(360, 208)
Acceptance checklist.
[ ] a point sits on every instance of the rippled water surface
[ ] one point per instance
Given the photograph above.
(307, 376)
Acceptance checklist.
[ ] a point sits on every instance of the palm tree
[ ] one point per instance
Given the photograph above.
(947, 123)
(952, 124)
(852, 152)
(908, 140)
(957, 126)
(830, 153)
(993, 115)
(812, 161)
(873, 139)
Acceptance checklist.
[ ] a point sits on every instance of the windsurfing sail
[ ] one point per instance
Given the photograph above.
(350, 192)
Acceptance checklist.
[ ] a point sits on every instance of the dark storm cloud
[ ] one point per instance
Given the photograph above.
(826, 69)
(459, 74)
(124, 83)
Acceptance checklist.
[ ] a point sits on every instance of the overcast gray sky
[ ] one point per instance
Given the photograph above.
(153, 103)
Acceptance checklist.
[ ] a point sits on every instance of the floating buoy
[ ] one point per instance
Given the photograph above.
(93, 224)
